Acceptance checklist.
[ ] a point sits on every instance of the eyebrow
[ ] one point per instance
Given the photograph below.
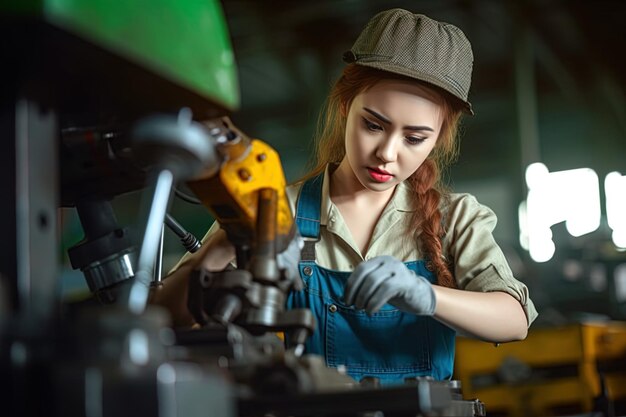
(385, 120)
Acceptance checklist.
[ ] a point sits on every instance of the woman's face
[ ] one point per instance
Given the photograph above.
(390, 130)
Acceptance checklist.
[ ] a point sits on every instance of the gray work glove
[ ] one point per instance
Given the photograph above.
(385, 279)
(288, 261)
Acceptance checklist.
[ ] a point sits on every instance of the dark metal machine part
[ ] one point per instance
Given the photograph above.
(107, 255)
(109, 361)
(421, 398)
(188, 240)
(56, 87)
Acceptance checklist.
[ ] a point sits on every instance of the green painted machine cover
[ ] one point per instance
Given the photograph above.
(184, 41)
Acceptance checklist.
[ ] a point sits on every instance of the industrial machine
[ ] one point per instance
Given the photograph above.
(571, 369)
(98, 101)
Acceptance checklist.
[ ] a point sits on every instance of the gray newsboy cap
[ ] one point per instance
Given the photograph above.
(419, 47)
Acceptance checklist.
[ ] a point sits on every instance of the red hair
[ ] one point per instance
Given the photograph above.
(426, 181)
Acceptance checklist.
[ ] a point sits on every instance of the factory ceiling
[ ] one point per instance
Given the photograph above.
(555, 68)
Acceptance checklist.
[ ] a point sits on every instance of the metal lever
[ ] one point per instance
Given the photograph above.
(138, 296)
(189, 241)
(174, 148)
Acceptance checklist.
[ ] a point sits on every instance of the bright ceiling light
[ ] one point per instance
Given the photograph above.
(615, 190)
(571, 196)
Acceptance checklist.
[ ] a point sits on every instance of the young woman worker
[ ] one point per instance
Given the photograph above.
(394, 266)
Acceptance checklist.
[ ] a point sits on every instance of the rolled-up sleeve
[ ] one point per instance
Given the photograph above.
(479, 263)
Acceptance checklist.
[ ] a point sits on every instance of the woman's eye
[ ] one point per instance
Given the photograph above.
(414, 140)
(372, 126)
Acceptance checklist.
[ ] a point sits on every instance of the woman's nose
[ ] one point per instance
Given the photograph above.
(386, 150)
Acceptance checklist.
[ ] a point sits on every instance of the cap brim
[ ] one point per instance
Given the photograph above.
(400, 70)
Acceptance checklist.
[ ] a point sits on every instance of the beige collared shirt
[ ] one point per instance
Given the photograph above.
(479, 264)
(478, 261)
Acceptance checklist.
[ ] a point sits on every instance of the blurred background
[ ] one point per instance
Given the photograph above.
(548, 87)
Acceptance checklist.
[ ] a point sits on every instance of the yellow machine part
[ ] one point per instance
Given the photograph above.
(232, 194)
(555, 371)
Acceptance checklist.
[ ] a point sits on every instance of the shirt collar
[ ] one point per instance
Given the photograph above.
(402, 199)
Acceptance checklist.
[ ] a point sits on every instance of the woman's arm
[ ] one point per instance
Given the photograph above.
(491, 316)
(214, 255)
(491, 303)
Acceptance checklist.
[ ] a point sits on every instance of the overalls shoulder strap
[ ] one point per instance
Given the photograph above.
(308, 215)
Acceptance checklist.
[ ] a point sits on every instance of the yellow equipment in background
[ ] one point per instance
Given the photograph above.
(561, 370)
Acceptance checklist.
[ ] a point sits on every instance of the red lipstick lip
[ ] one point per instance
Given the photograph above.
(380, 171)
(379, 176)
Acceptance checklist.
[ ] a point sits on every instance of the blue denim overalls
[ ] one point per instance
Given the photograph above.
(389, 345)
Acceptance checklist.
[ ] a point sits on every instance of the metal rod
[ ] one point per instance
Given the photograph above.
(138, 296)
(175, 226)
(189, 241)
(158, 268)
(264, 266)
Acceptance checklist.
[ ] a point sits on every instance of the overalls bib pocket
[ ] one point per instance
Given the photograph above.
(387, 342)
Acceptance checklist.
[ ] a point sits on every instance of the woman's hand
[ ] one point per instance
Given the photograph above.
(385, 279)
